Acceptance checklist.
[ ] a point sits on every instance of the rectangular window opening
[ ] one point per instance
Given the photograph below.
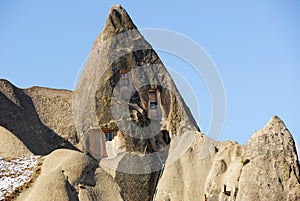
(152, 100)
(153, 105)
(124, 79)
(108, 137)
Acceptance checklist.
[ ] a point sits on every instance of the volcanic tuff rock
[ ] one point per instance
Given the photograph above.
(36, 116)
(71, 175)
(267, 168)
(120, 48)
(272, 172)
(8, 144)
(177, 163)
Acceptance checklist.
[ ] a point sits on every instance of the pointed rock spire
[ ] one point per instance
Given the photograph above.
(120, 49)
(125, 88)
(272, 172)
(275, 123)
(118, 21)
(273, 137)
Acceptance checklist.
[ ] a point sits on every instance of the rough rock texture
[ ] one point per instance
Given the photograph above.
(98, 101)
(120, 47)
(189, 166)
(203, 171)
(71, 175)
(136, 174)
(8, 144)
(266, 169)
(36, 115)
(54, 108)
(272, 172)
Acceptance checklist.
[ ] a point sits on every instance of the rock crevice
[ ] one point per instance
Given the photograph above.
(126, 133)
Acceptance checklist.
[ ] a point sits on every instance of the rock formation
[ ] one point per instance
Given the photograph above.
(133, 137)
(272, 172)
(267, 168)
(125, 88)
(121, 72)
(36, 116)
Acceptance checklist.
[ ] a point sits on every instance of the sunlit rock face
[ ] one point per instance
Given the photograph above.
(139, 139)
(272, 172)
(124, 86)
(127, 105)
(267, 168)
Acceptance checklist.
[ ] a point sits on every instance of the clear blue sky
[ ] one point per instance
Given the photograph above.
(254, 44)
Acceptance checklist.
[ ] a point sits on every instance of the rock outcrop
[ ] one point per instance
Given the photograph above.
(133, 137)
(54, 109)
(272, 169)
(10, 145)
(125, 88)
(267, 168)
(41, 118)
(71, 175)
(203, 172)
(105, 99)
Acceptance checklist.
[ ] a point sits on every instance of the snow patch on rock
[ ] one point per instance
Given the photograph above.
(16, 173)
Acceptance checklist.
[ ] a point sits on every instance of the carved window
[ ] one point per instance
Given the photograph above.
(124, 79)
(108, 137)
(153, 100)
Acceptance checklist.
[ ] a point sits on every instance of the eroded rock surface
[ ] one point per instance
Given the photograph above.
(11, 146)
(101, 99)
(272, 172)
(125, 87)
(126, 96)
(26, 114)
(71, 175)
(267, 168)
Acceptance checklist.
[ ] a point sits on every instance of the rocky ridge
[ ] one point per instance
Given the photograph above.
(40, 121)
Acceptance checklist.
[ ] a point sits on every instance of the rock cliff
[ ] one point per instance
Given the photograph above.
(125, 133)
(267, 168)
(41, 118)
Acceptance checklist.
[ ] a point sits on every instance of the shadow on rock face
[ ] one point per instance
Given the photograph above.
(138, 175)
(137, 186)
(19, 116)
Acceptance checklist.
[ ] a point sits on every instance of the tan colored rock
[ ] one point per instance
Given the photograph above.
(71, 175)
(266, 169)
(136, 174)
(11, 146)
(177, 163)
(122, 77)
(272, 172)
(33, 114)
(73, 164)
(105, 189)
(185, 178)
(53, 187)
(205, 170)
(54, 108)
(222, 181)
(101, 100)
